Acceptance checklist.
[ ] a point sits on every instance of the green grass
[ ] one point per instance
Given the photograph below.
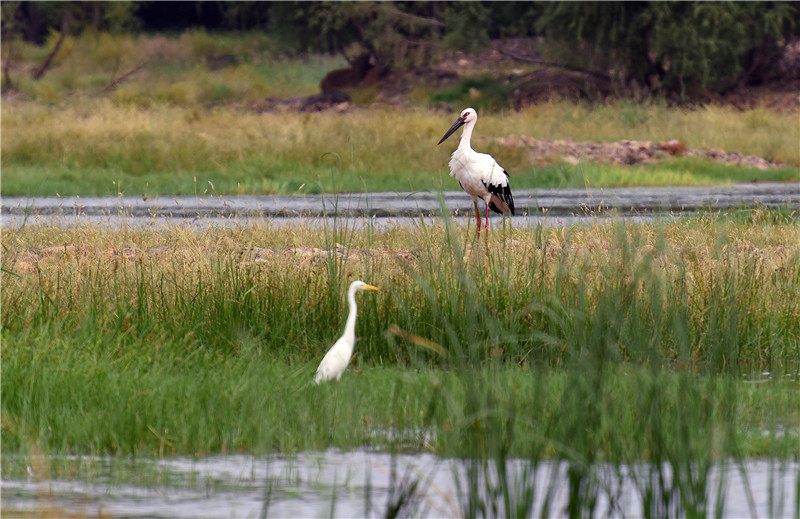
(480, 93)
(181, 341)
(683, 172)
(496, 419)
(132, 403)
(528, 284)
(265, 175)
(194, 69)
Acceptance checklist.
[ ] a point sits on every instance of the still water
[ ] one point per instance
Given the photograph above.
(357, 484)
(533, 206)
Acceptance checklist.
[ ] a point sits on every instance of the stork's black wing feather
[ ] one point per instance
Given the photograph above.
(503, 192)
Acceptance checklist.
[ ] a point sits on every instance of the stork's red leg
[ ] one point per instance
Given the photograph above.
(477, 215)
(487, 218)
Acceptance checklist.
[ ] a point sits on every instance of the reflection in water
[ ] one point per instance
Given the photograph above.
(359, 484)
(534, 206)
(234, 222)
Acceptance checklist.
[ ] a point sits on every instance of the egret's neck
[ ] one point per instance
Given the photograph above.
(466, 136)
(350, 327)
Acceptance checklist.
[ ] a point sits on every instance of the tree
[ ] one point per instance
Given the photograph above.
(396, 35)
(36, 19)
(676, 48)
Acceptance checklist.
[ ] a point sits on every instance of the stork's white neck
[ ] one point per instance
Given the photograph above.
(466, 136)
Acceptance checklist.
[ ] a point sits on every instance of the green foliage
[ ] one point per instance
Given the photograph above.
(396, 35)
(466, 26)
(674, 47)
(480, 93)
(11, 20)
(115, 17)
(714, 46)
(246, 15)
(77, 17)
(510, 19)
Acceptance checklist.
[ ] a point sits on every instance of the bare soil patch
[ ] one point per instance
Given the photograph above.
(626, 152)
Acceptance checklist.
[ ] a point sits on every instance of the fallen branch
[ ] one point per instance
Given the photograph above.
(48, 61)
(113, 84)
(6, 72)
(425, 20)
(537, 61)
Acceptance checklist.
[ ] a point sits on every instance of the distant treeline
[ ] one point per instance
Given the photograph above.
(674, 48)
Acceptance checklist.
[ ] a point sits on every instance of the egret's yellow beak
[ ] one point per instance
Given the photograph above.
(370, 287)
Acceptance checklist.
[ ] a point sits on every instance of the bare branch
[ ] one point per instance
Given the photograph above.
(537, 61)
(7, 67)
(49, 59)
(418, 19)
(113, 84)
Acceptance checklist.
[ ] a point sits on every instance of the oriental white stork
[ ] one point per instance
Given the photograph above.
(338, 357)
(478, 173)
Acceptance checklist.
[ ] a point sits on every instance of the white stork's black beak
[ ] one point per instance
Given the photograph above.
(456, 126)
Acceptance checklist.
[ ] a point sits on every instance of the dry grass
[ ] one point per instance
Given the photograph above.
(67, 260)
(704, 240)
(167, 102)
(759, 131)
(102, 133)
(195, 69)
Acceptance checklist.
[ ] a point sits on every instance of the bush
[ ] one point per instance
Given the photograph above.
(484, 92)
(675, 48)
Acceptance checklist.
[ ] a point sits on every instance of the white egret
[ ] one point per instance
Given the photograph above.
(478, 173)
(338, 357)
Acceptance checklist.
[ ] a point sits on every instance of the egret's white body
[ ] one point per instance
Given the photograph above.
(338, 357)
(478, 173)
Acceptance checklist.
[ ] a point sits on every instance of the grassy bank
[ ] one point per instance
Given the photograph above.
(94, 147)
(729, 284)
(182, 341)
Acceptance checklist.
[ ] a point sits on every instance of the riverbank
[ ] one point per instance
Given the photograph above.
(98, 147)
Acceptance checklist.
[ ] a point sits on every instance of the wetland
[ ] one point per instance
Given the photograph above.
(546, 357)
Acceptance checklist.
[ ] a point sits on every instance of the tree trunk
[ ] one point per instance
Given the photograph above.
(48, 61)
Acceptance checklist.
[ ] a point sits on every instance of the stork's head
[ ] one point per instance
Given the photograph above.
(469, 115)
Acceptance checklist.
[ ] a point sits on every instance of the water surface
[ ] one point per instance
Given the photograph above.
(532, 205)
(356, 484)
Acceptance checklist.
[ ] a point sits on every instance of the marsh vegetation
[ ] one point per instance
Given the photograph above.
(666, 346)
(146, 311)
(610, 343)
